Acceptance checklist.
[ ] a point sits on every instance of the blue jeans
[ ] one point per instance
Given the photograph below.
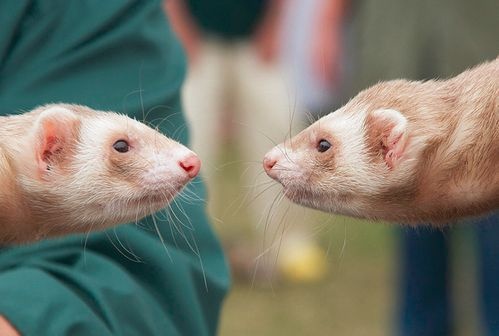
(425, 307)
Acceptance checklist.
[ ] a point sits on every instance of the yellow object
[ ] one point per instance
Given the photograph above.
(303, 263)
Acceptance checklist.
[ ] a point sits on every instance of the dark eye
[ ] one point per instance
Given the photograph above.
(323, 146)
(121, 146)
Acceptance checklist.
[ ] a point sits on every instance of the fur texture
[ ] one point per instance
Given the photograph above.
(59, 171)
(401, 151)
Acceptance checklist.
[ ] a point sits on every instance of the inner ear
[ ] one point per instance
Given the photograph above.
(55, 133)
(390, 126)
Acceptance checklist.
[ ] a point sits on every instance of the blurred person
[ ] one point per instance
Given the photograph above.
(423, 40)
(315, 35)
(237, 96)
(120, 56)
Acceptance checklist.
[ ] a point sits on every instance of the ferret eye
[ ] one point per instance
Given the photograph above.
(323, 146)
(121, 146)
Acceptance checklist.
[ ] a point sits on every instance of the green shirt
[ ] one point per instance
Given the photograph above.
(121, 56)
(228, 19)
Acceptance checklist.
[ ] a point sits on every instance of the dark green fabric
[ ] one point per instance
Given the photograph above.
(122, 56)
(229, 19)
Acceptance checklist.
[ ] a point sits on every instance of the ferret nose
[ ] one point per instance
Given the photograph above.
(191, 164)
(268, 163)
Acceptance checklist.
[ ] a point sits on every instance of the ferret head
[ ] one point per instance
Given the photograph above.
(347, 162)
(93, 169)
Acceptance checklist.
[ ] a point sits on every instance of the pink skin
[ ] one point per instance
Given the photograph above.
(268, 164)
(395, 149)
(191, 164)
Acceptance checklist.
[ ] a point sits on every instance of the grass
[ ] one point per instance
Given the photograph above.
(355, 298)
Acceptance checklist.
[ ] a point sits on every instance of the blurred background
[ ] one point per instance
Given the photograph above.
(259, 71)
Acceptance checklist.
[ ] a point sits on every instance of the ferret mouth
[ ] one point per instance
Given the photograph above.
(151, 202)
(299, 194)
(154, 198)
(293, 193)
(160, 194)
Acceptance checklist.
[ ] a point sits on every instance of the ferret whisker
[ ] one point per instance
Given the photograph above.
(260, 173)
(319, 228)
(201, 264)
(282, 221)
(189, 199)
(184, 237)
(272, 141)
(262, 192)
(87, 234)
(293, 112)
(231, 163)
(263, 253)
(252, 162)
(254, 273)
(119, 250)
(85, 238)
(285, 169)
(266, 251)
(141, 98)
(159, 121)
(191, 195)
(141, 225)
(269, 217)
(128, 250)
(310, 117)
(177, 133)
(217, 219)
(190, 228)
(285, 227)
(189, 224)
(125, 98)
(197, 181)
(322, 229)
(343, 246)
(260, 184)
(174, 227)
(235, 205)
(166, 107)
(257, 260)
(283, 150)
(172, 224)
(160, 236)
(195, 196)
(244, 200)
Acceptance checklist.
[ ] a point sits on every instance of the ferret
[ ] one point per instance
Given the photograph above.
(401, 151)
(70, 169)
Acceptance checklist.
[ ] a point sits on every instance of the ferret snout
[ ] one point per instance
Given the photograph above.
(191, 164)
(270, 161)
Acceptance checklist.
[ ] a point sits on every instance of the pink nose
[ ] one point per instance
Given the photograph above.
(191, 164)
(268, 163)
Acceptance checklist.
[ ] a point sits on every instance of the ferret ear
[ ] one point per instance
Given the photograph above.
(391, 129)
(55, 131)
